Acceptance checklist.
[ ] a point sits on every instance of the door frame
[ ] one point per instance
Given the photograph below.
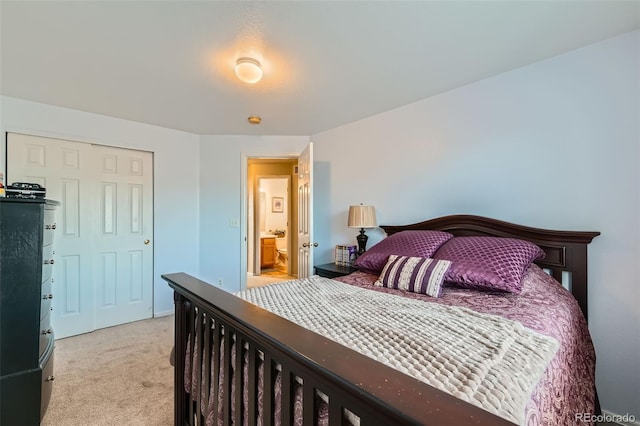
(244, 206)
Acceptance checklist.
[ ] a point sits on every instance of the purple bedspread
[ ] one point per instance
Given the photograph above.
(567, 386)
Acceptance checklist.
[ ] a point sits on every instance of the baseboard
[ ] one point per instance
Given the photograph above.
(624, 420)
(163, 314)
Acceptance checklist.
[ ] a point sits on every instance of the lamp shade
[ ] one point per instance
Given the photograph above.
(362, 217)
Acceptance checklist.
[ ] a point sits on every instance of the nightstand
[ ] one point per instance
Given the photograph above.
(331, 270)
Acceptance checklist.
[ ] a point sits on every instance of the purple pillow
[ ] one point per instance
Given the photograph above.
(415, 274)
(488, 263)
(405, 243)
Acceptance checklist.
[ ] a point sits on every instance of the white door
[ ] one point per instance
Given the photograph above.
(123, 254)
(100, 278)
(64, 169)
(305, 213)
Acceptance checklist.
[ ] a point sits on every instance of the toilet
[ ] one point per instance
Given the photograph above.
(281, 248)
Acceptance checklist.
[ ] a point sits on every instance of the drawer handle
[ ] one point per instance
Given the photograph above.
(50, 226)
(49, 379)
(47, 331)
(47, 296)
(49, 261)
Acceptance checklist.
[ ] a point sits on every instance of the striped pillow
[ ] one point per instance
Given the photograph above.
(415, 274)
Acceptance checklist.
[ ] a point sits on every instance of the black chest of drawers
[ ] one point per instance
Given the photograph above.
(27, 227)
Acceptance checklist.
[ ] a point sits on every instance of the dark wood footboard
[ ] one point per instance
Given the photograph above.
(352, 382)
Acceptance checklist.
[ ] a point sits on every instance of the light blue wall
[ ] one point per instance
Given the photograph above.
(551, 145)
(175, 176)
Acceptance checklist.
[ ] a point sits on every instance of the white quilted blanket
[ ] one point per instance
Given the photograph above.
(484, 359)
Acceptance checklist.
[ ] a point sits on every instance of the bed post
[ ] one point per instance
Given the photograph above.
(578, 256)
(180, 342)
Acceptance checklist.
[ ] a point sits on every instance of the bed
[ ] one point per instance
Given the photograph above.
(291, 374)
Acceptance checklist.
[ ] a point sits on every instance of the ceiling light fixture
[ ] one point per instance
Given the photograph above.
(254, 119)
(248, 70)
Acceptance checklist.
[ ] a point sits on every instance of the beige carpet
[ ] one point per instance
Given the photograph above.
(260, 280)
(115, 376)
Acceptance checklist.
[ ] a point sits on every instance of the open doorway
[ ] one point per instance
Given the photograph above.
(271, 220)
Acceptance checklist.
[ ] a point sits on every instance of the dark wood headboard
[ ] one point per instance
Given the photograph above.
(566, 251)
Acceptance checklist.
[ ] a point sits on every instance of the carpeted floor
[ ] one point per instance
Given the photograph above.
(114, 376)
(268, 276)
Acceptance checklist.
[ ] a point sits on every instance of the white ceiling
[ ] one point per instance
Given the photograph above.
(170, 63)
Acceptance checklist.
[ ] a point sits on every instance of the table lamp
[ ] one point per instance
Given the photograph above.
(362, 217)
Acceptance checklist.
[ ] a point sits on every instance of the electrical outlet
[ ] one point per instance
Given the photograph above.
(220, 282)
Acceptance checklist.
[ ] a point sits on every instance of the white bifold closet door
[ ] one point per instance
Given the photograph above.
(103, 275)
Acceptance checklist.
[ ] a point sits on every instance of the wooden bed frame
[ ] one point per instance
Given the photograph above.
(374, 392)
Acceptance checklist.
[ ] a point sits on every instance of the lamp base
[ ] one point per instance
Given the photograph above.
(362, 242)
